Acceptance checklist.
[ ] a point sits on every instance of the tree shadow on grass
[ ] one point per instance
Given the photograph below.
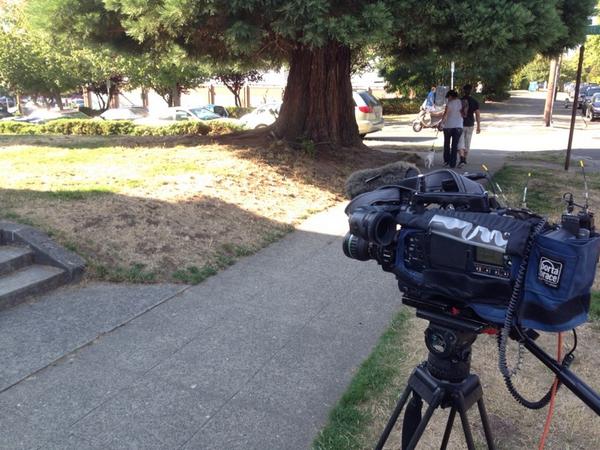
(319, 167)
(126, 238)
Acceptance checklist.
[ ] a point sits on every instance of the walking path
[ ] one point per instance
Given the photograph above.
(514, 126)
(252, 358)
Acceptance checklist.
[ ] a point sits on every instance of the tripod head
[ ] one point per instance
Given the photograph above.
(449, 352)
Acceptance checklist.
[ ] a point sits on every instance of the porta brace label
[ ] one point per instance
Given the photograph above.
(549, 272)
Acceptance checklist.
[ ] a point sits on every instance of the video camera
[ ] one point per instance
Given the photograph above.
(456, 250)
(445, 239)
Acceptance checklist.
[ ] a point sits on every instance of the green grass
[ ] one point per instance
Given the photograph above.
(545, 157)
(273, 236)
(349, 421)
(545, 187)
(595, 306)
(226, 256)
(194, 275)
(76, 194)
(136, 273)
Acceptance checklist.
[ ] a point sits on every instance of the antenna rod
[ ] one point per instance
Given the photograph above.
(493, 183)
(524, 201)
(585, 185)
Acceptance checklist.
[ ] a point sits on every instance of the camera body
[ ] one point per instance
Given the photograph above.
(448, 242)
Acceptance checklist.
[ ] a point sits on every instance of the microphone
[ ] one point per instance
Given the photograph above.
(370, 179)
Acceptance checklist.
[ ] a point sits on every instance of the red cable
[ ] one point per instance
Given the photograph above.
(554, 387)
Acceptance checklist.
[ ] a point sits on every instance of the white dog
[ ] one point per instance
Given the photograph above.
(429, 159)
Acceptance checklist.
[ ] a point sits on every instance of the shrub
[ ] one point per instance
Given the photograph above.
(224, 127)
(74, 126)
(186, 128)
(400, 105)
(235, 112)
(86, 127)
(17, 128)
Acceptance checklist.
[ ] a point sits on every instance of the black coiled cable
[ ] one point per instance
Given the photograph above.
(508, 321)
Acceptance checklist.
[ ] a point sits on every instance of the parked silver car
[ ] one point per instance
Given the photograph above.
(263, 116)
(177, 114)
(130, 113)
(368, 112)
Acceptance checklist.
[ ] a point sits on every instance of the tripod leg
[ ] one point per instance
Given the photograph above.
(465, 421)
(393, 418)
(412, 419)
(436, 401)
(448, 428)
(486, 425)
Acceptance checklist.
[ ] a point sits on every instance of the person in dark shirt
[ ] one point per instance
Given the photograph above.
(472, 114)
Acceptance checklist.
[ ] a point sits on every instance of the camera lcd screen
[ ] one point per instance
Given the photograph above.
(448, 253)
(487, 256)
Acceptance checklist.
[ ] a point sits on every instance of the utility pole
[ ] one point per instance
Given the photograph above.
(574, 111)
(550, 92)
(591, 30)
(452, 75)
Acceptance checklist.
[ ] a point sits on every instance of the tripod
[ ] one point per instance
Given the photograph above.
(442, 381)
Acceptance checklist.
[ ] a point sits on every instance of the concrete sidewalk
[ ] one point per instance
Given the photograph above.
(253, 358)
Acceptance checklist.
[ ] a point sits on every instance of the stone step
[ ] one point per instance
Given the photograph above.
(17, 286)
(13, 258)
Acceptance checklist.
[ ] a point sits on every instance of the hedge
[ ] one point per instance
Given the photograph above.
(117, 127)
(235, 112)
(400, 106)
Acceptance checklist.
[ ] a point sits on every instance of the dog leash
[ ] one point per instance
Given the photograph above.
(432, 149)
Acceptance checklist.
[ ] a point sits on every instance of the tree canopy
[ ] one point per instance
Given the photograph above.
(317, 38)
(170, 73)
(28, 63)
(488, 42)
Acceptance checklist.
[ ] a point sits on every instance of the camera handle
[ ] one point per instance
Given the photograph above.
(564, 374)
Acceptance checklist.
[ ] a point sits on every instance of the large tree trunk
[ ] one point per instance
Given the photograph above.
(176, 95)
(317, 103)
(20, 106)
(59, 102)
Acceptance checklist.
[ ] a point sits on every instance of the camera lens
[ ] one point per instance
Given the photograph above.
(356, 248)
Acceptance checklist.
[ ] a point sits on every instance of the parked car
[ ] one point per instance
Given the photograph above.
(131, 113)
(368, 112)
(592, 109)
(587, 98)
(263, 116)
(176, 114)
(5, 114)
(7, 102)
(582, 94)
(76, 103)
(41, 116)
(217, 109)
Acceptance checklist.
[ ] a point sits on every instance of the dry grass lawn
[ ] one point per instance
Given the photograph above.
(143, 209)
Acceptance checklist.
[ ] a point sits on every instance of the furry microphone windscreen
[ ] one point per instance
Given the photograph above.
(369, 179)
